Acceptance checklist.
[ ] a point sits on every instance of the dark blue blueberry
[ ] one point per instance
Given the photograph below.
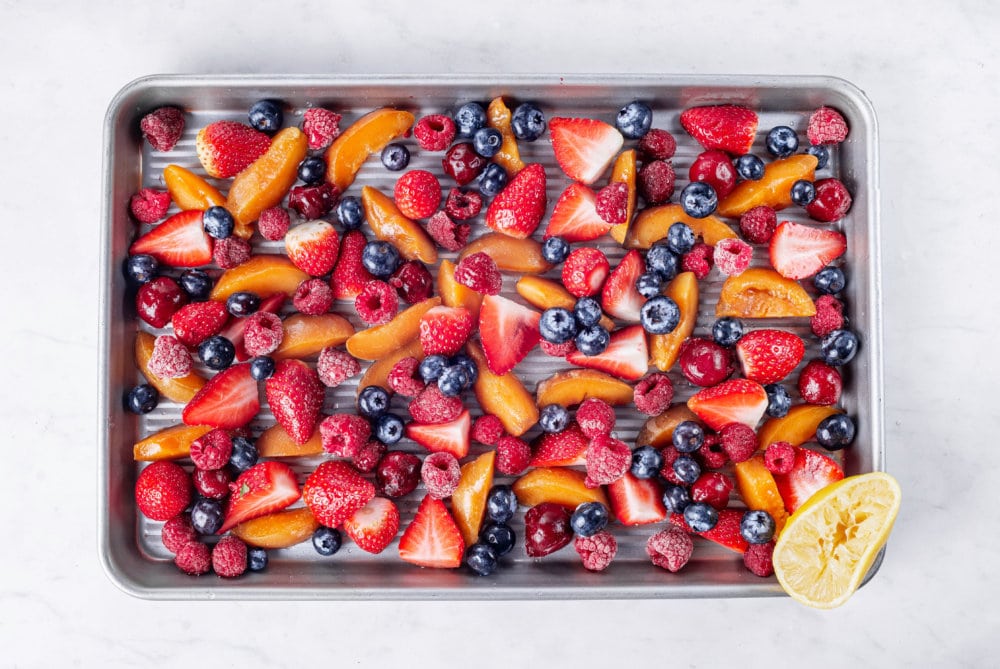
(757, 527)
(266, 116)
(469, 364)
(453, 380)
(553, 418)
(242, 304)
(501, 503)
(700, 517)
(481, 559)
(312, 170)
(326, 540)
(835, 432)
(218, 222)
(196, 283)
(749, 167)
(782, 141)
(373, 401)
(380, 258)
(498, 536)
(469, 118)
(676, 498)
(389, 428)
(256, 558)
(830, 280)
(660, 315)
(778, 400)
(142, 399)
(557, 325)
(646, 462)
(244, 455)
(487, 141)
(555, 250)
(587, 312)
(686, 469)
(593, 340)
(822, 155)
(141, 268)
(431, 367)
(395, 157)
(634, 119)
(217, 352)
(350, 213)
(492, 180)
(699, 200)
(680, 238)
(528, 122)
(688, 436)
(839, 347)
(663, 261)
(803, 192)
(649, 284)
(589, 518)
(727, 331)
(262, 368)
(207, 516)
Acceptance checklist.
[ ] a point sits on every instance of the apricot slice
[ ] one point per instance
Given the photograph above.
(369, 134)
(454, 294)
(190, 191)
(664, 349)
(652, 224)
(378, 341)
(278, 530)
(546, 293)
(307, 335)
(179, 390)
(503, 396)
(169, 444)
(498, 116)
(468, 502)
(796, 427)
(658, 430)
(774, 190)
(389, 225)
(261, 275)
(377, 373)
(575, 385)
(274, 442)
(510, 254)
(268, 179)
(558, 485)
(758, 490)
(624, 171)
(763, 293)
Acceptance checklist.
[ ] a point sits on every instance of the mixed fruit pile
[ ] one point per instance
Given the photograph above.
(438, 357)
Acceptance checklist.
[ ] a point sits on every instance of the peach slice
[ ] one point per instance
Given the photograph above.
(468, 502)
(574, 386)
(758, 490)
(179, 390)
(377, 373)
(652, 224)
(369, 134)
(558, 485)
(664, 349)
(274, 442)
(262, 275)
(268, 179)
(503, 396)
(190, 191)
(510, 254)
(797, 426)
(763, 293)
(278, 530)
(378, 341)
(546, 293)
(308, 335)
(658, 430)
(774, 190)
(454, 294)
(169, 444)
(389, 225)
(498, 116)
(624, 171)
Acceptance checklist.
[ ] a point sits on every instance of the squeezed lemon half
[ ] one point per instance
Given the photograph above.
(830, 542)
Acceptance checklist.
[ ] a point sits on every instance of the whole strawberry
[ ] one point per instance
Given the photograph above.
(417, 194)
(518, 209)
(226, 148)
(725, 127)
(295, 395)
(335, 491)
(444, 330)
(312, 247)
(163, 490)
(194, 323)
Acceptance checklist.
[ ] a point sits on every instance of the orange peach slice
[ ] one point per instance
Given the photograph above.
(190, 191)
(307, 335)
(389, 225)
(574, 386)
(503, 396)
(262, 275)
(796, 427)
(658, 430)
(170, 443)
(454, 294)
(546, 293)
(278, 530)
(510, 254)
(179, 390)
(763, 293)
(369, 134)
(623, 172)
(468, 502)
(268, 179)
(774, 190)
(498, 116)
(652, 224)
(378, 341)
(756, 486)
(274, 442)
(664, 349)
(377, 373)
(558, 485)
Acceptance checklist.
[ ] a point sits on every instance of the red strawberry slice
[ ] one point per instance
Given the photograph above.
(432, 539)
(508, 332)
(627, 356)
(229, 400)
(350, 276)
(798, 251)
(295, 395)
(335, 491)
(226, 148)
(444, 330)
(584, 147)
(518, 209)
(636, 501)
(561, 449)
(619, 297)
(264, 488)
(237, 327)
(194, 323)
(373, 526)
(312, 247)
(180, 241)
(768, 356)
(725, 127)
(452, 437)
(733, 401)
(810, 473)
(575, 217)
(726, 532)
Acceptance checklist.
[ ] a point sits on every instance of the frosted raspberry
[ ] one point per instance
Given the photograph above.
(595, 417)
(732, 256)
(488, 429)
(656, 181)
(263, 334)
(170, 358)
(413, 282)
(557, 350)
(657, 145)
(434, 132)
(829, 316)
(653, 394)
(229, 557)
(826, 126)
(779, 457)
(440, 473)
(321, 127)
(479, 272)
(212, 483)
(513, 455)
(212, 450)
(597, 551)
(739, 441)
(758, 559)
(344, 434)
(607, 460)
(335, 366)
(368, 456)
(758, 224)
(612, 203)
(711, 455)
(431, 406)
(670, 549)
(698, 260)
(149, 205)
(462, 206)
(194, 558)
(446, 233)
(163, 127)
(230, 252)
(404, 379)
(273, 223)
(377, 303)
(313, 297)
(177, 533)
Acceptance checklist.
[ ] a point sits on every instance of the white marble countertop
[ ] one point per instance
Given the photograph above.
(931, 71)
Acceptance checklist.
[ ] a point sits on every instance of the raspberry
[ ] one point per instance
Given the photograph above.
(417, 194)
(432, 407)
(558, 350)
(273, 223)
(397, 474)
(335, 366)
(212, 450)
(230, 252)
(177, 533)
(657, 145)
(739, 441)
(368, 456)
(670, 549)
(413, 282)
(820, 383)
(758, 224)
(403, 377)
(826, 126)
(149, 205)
(211, 483)
(698, 260)
(607, 460)
(584, 271)
(656, 181)
(711, 454)
(488, 429)
(321, 127)
(447, 234)
(712, 488)
(344, 434)
(595, 417)
(163, 127)
(829, 316)
(612, 203)
(779, 457)
(377, 303)
(732, 256)
(312, 202)
(653, 394)
(597, 551)
(440, 473)
(513, 455)
(170, 358)
(479, 272)
(434, 132)
(313, 297)
(670, 454)
(229, 557)
(193, 558)
(461, 205)
(757, 558)
(263, 334)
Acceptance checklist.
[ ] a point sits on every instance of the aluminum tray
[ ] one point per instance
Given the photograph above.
(129, 545)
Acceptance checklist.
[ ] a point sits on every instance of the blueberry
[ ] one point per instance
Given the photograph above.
(778, 400)
(660, 315)
(782, 141)
(498, 536)
(528, 122)
(749, 167)
(557, 325)
(587, 312)
(492, 180)
(262, 368)
(326, 540)
(431, 367)
(207, 516)
(469, 118)
(242, 304)
(553, 418)
(395, 157)
(822, 155)
(142, 399)
(663, 261)
(256, 558)
(486, 142)
(555, 250)
(699, 200)
(244, 455)
(196, 283)
(676, 498)
(453, 380)
(803, 192)
(686, 469)
(388, 428)
(217, 352)
(646, 462)
(266, 116)
(835, 432)
(589, 518)
(141, 268)
(649, 284)
(727, 331)
(830, 280)
(481, 559)
(688, 436)
(839, 347)
(634, 120)
(350, 213)
(471, 371)
(312, 170)
(757, 527)
(700, 517)
(373, 401)
(680, 238)
(381, 259)
(501, 503)
(218, 222)
(593, 340)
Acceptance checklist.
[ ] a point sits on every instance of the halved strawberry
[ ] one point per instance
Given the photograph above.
(432, 539)
(373, 526)
(452, 437)
(768, 356)
(350, 276)
(180, 241)
(725, 127)
(810, 473)
(264, 488)
(798, 251)
(444, 330)
(636, 501)
(575, 217)
(560, 449)
(518, 209)
(295, 395)
(584, 147)
(225, 148)
(733, 401)
(335, 491)
(508, 332)
(627, 356)
(726, 532)
(619, 297)
(312, 247)
(229, 400)
(194, 323)
(237, 327)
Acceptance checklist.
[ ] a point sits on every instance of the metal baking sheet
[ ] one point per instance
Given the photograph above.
(129, 544)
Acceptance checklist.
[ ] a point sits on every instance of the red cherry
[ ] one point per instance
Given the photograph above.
(716, 169)
(832, 201)
(397, 474)
(413, 281)
(312, 202)
(462, 163)
(212, 483)
(157, 301)
(712, 488)
(705, 363)
(819, 383)
(546, 529)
